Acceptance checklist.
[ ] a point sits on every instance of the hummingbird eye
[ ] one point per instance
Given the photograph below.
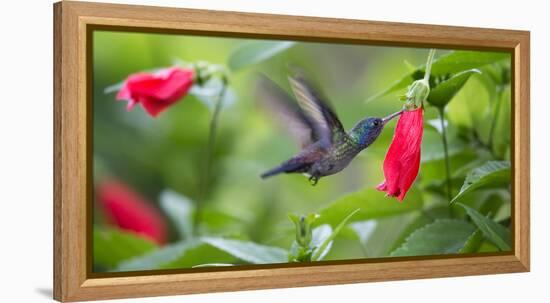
(376, 122)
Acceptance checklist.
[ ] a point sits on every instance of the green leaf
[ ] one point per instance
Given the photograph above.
(320, 252)
(180, 209)
(409, 66)
(159, 257)
(441, 237)
(320, 235)
(501, 135)
(216, 221)
(473, 243)
(213, 265)
(447, 64)
(371, 204)
(206, 250)
(388, 234)
(416, 221)
(487, 246)
(435, 152)
(249, 251)
(470, 107)
(493, 231)
(200, 254)
(442, 94)
(492, 205)
(255, 52)
(111, 246)
(493, 174)
(364, 230)
(457, 61)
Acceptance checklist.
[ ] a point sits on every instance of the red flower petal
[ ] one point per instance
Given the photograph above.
(129, 211)
(153, 106)
(402, 160)
(156, 91)
(167, 84)
(125, 93)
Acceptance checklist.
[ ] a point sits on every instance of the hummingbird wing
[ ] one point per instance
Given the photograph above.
(325, 122)
(287, 112)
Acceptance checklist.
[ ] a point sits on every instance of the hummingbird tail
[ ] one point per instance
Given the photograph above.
(272, 172)
(285, 168)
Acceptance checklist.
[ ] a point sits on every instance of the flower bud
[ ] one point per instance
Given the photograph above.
(303, 228)
(418, 93)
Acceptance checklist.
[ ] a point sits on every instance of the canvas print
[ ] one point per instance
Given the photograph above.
(218, 152)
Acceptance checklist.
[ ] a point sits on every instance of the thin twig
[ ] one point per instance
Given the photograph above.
(213, 129)
(446, 153)
(429, 62)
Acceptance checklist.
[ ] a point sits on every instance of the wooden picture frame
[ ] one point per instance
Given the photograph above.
(73, 280)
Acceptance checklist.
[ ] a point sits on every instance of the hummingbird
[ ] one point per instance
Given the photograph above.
(326, 147)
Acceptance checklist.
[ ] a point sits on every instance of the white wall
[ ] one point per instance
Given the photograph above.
(26, 149)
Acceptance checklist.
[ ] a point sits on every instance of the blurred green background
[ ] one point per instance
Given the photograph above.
(152, 155)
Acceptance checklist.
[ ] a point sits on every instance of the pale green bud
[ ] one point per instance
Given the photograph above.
(303, 228)
(418, 93)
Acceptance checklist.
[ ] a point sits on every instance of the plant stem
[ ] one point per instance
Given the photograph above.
(443, 128)
(446, 153)
(213, 128)
(429, 64)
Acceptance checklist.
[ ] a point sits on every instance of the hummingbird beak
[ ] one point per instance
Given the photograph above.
(388, 118)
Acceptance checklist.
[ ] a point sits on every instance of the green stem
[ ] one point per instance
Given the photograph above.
(213, 128)
(446, 153)
(429, 64)
(443, 128)
(419, 90)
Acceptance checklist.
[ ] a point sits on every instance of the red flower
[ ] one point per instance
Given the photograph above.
(156, 91)
(129, 211)
(403, 158)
